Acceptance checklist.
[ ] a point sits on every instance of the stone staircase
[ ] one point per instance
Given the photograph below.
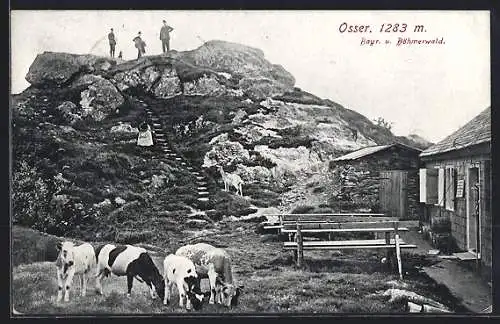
(205, 185)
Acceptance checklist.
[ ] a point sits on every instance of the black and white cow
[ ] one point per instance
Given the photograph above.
(180, 271)
(130, 261)
(215, 264)
(73, 260)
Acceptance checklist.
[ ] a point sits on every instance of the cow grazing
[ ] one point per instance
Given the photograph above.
(130, 261)
(73, 260)
(181, 271)
(215, 264)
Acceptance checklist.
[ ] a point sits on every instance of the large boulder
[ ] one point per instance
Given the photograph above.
(51, 68)
(100, 98)
(127, 79)
(258, 77)
(238, 59)
(204, 86)
(169, 84)
(259, 88)
(225, 152)
(69, 112)
(137, 77)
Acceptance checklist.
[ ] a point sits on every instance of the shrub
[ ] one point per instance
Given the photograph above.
(303, 209)
(129, 237)
(30, 246)
(29, 196)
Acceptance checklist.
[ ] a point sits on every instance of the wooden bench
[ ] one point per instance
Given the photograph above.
(299, 225)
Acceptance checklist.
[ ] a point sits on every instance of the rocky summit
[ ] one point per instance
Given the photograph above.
(78, 171)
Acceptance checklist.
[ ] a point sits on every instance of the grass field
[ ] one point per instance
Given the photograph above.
(330, 282)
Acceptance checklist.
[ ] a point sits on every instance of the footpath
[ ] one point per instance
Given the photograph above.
(460, 278)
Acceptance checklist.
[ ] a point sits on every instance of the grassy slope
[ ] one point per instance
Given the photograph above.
(329, 282)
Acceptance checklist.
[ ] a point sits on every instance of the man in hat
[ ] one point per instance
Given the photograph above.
(165, 36)
(112, 43)
(140, 45)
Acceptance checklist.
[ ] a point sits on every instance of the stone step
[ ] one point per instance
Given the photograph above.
(178, 158)
(203, 193)
(183, 163)
(166, 150)
(201, 188)
(190, 168)
(203, 199)
(156, 124)
(200, 178)
(195, 173)
(160, 140)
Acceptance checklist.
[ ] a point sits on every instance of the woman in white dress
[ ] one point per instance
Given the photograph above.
(145, 138)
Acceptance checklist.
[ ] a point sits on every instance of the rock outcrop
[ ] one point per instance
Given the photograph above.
(55, 69)
(100, 98)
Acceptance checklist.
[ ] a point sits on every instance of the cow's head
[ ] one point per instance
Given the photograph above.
(66, 257)
(156, 279)
(159, 285)
(230, 294)
(193, 291)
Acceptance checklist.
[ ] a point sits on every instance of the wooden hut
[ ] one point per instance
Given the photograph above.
(382, 178)
(455, 191)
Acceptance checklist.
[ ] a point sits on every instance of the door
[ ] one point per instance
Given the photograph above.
(393, 195)
(473, 202)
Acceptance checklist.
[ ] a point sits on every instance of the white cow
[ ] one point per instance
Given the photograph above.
(180, 271)
(73, 260)
(215, 264)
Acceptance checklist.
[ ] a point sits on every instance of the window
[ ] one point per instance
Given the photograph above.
(450, 188)
(428, 186)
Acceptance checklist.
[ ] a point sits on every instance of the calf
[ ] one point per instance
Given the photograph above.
(130, 261)
(215, 264)
(181, 271)
(73, 260)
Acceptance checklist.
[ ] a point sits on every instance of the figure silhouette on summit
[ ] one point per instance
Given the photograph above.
(165, 36)
(112, 43)
(140, 45)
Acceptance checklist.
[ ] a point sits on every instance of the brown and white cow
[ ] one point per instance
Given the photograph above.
(215, 264)
(73, 260)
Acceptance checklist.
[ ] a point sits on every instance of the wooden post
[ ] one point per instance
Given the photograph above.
(389, 251)
(398, 251)
(300, 247)
(478, 229)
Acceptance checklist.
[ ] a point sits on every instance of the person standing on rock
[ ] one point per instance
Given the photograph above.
(140, 45)
(112, 43)
(145, 137)
(165, 36)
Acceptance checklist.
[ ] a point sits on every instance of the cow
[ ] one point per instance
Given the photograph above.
(73, 260)
(215, 264)
(181, 271)
(130, 261)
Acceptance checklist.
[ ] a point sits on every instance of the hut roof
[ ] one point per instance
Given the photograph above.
(476, 131)
(371, 150)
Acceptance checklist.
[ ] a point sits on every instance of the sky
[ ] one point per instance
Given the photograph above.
(431, 90)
